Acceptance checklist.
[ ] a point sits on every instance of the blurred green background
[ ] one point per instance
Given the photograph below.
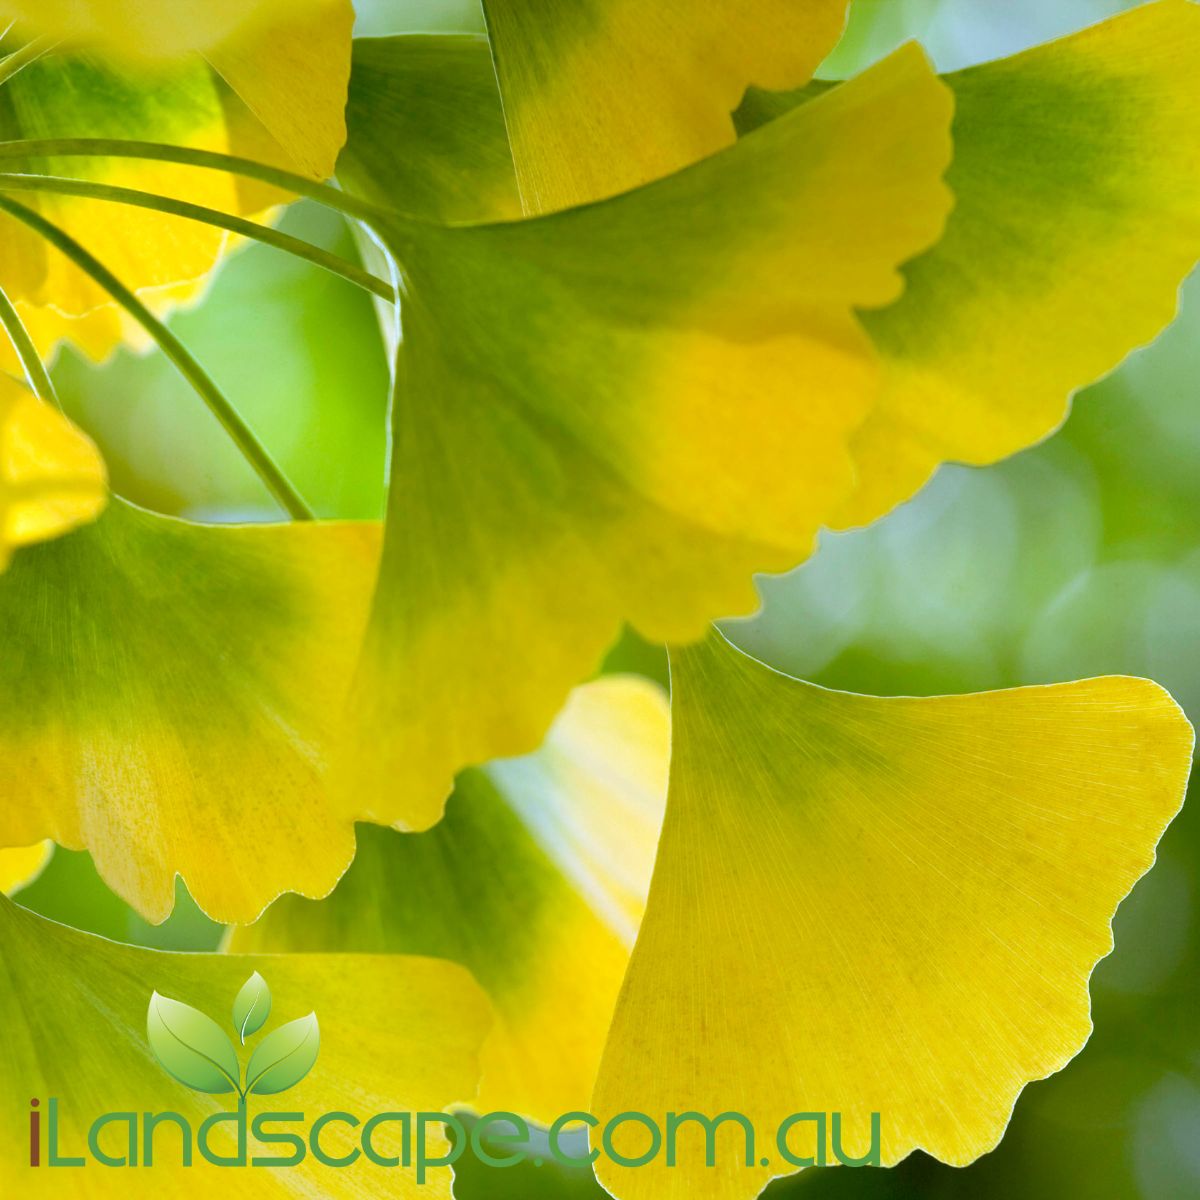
(1080, 557)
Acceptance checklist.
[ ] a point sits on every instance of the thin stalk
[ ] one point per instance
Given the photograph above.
(208, 216)
(31, 360)
(206, 159)
(253, 450)
(18, 60)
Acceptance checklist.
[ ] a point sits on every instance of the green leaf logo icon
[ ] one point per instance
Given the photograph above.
(192, 1047)
(252, 1007)
(284, 1057)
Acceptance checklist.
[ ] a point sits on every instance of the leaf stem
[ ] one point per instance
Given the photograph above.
(253, 450)
(323, 193)
(18, 60)
(31, 360)
(209, 216)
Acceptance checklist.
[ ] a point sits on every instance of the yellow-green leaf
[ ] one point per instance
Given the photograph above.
(291, 69)
(535, 880)
(52, 478)
(620, 413)
(164, 259)
(169, 699)
(1077, 216)
(878, 905)
(164, 30)
(21, 865)
(604, 95)
(436, 97)
(74, 1013)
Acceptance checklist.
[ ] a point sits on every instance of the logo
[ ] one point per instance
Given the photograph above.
(193, 1049)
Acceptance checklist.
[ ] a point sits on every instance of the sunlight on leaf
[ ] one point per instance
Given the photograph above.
(170, 702)
(84, 1041)
(52, 478)
(620, 413)
(606, 95)
(923, 887)
(535, 880)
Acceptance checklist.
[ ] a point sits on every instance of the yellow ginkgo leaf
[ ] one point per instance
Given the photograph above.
(291, 68)
(536, 880)
(22, 865)
(1077, 216)
(289, 60)
(606, 95)
(866, 905)
(167, 261)
(168, 698)
(621, 412)
(74, 1013)
(52, 477)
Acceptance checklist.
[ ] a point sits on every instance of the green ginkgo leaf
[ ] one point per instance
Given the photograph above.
(192, 1047)
(251, 1007)
(619, 414)
(284, 1057)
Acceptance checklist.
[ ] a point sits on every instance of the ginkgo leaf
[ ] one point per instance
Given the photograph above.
(866, 905)
(290, 66)
(620, 413)
(164, 259)
(288, 60)
(164, 30)
(191, 1047)
(606, 95)
(1077, 216)
(169, 694)
(52, 478)
(21, 865)
(251, 1007)
(435, 96)
(284, 1057)
(83, 1042)
(535, 880)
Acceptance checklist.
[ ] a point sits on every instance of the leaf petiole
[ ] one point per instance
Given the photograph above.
(18, 60)
(87, 189)
(31, 360)
(323, 193)
(255, 453)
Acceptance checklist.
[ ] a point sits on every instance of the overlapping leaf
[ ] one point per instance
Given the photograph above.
(620, 413)
(289, 60)
(21, 865)
(288, 65)
(535, 880)
(1077, 216)
(80, 1036)
(877, 905)
(170, 693)
(604, 95)
(52, 477)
